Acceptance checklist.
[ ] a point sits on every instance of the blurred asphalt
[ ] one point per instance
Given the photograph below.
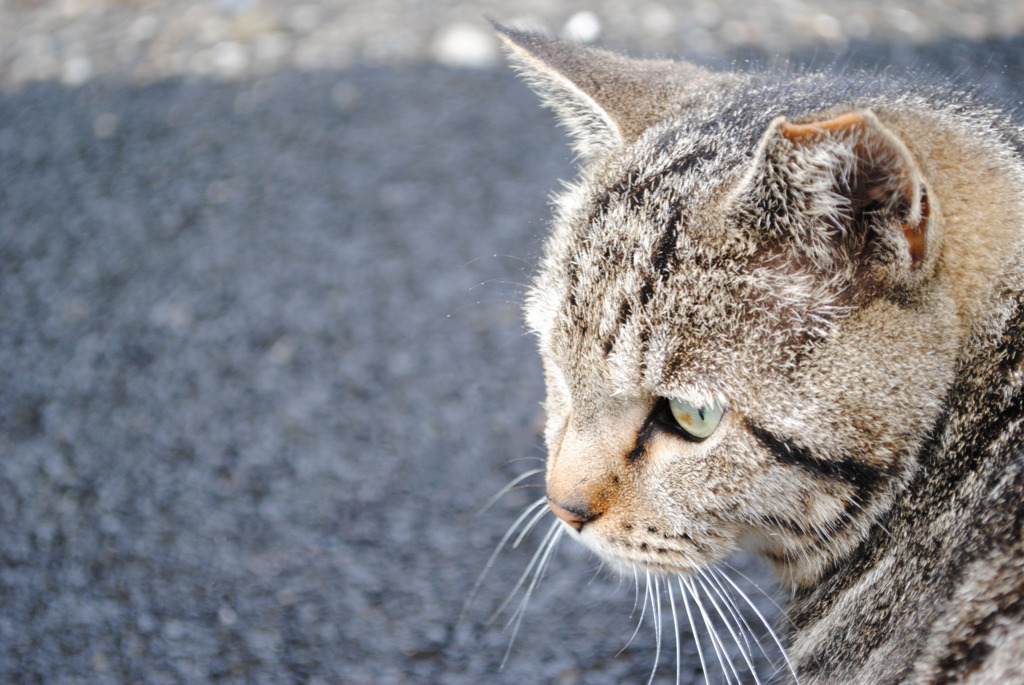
(261, 362)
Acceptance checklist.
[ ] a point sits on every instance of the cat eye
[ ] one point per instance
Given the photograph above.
(698, 422)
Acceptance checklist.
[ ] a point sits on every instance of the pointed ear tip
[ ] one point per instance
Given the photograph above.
(526, 38)
(509, 34)
(514, 41)
(498, 26)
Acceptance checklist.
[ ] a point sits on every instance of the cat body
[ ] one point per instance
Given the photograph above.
(786, 314)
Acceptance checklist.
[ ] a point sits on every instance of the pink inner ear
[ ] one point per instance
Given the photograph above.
(810, 133)
(916, 234)
(801, 132)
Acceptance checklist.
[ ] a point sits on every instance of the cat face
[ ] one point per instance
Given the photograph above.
(743, 337)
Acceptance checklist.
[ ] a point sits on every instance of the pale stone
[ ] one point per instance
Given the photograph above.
(584, 27)
(465, 46)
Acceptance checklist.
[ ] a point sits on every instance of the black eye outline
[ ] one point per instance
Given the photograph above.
(663, 417)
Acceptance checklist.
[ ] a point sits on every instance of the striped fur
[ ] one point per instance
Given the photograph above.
(838, 263)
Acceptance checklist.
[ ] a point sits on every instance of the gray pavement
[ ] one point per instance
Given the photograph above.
(262, 362)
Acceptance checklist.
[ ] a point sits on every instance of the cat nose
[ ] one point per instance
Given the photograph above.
(575, 516)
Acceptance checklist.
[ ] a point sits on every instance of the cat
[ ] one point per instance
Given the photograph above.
(785, 314)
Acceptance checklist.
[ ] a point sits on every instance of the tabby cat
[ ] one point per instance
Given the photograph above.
(784, 314)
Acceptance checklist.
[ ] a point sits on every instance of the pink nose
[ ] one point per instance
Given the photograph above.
(574, 517)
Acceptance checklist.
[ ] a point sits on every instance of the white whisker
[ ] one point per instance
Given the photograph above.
(675, 626)
(636, 591)
(771, 632)
(730, 605)
(684, 590)
(529, 526)
(738, 617)
(497, 550)
(716, 642)
(656, 612)
(548, 547)
(643, 607)
(756, 587)
(508, 488)
(534, 561)
(729, 627)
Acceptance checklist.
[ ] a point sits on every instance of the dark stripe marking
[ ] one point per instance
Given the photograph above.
(642, 439)
(863, 477)
(665, 250)
(625, 312)
(969, 654)
(646, 293)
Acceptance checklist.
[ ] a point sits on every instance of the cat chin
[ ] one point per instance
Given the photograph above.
(628, 563)
(631, 568)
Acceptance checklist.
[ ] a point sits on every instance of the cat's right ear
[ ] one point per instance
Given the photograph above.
(605, 100)
(836, 185)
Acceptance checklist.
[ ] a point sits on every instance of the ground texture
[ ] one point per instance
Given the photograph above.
(262, 362)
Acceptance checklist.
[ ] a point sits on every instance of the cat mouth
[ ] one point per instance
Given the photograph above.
(628, 565)
(652, 557)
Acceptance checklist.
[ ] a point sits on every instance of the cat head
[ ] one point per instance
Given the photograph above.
(744, 337)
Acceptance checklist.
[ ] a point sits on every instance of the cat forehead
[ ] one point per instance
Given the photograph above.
(646, 281)
(682, 162)
(662, 313)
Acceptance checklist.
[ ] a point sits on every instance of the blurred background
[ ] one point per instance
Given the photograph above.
(261, 353)
(75, 41)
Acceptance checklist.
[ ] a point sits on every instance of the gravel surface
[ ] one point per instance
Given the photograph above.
(73, 41)
(261, 356)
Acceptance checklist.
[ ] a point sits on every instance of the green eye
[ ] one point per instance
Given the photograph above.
(698, 422)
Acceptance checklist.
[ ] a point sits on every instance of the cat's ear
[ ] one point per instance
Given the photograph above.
(605, 100)
(841, 181)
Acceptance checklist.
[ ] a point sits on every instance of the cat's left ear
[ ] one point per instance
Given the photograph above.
(606, 100)
(844, 181)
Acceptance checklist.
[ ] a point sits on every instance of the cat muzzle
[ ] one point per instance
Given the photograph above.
(575, 517)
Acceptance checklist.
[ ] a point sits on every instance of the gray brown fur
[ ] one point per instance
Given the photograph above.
(715, 248)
